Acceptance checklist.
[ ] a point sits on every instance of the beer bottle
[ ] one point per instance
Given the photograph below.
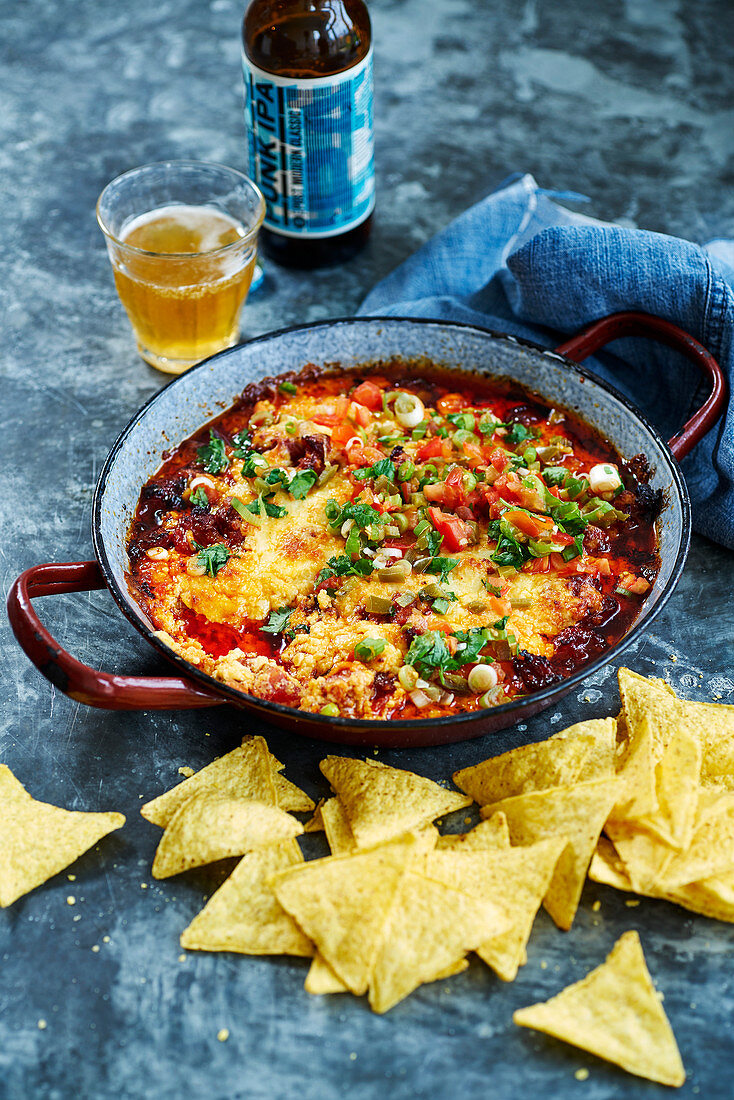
(307, 68)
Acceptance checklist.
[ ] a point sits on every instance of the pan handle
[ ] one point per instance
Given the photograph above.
(85, 684)
(617, 325)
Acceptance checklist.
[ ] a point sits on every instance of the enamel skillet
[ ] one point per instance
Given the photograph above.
(197, 396)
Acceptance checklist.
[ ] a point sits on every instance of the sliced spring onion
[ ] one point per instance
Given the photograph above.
(369, 648)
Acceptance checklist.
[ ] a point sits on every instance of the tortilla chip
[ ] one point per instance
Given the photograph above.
(315, 823)
(615, 1013)
(527, 768)
(636, 774)
(244, 915)
(382, 802)
(291, 798)
(602, 757)
(321, 978)
(336, 826)
(342, 903)
(246, 772)
(711, 852)
(713, 725)
(712, 897)
(493, 833)
(578, 813)
(209, 827)
(516, 879)
(644, 855)
(676, 784)
(431, 926)
(38, 840)
(606, 866)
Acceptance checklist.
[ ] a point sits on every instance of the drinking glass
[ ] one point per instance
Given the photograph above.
(182, 240)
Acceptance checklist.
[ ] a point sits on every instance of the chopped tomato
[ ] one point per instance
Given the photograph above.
(499, 459)
(456, 533)
(499, 606)
(368, 394)
(533, 526)
(332, 413)
(360, 414)
(432, 448)
(537, 565)
(473, 454)
(450, 403)
(341, 434)
(434, 492)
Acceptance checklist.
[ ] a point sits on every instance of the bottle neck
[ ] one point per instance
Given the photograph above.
(306, 39)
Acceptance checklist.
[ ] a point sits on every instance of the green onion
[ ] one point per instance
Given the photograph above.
(406, 470)
(330, 710)
(287, 387)
(369, 648)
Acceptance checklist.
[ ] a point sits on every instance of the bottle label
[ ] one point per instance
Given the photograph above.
(311, 148)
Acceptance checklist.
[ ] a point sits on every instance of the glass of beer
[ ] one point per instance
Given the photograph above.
(181, 237)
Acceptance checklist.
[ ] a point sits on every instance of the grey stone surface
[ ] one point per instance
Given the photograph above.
(630, 103)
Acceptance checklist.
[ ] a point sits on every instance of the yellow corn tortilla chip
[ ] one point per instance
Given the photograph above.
(431, 926)
(649, 699)
(602, 757)
(578, 813)
(676, 784)
(208, 827)
(516, 879)
(711, 852)
(315, 823)
(336, 826)
(713, 725)
(527, 768)
(291, 798)
(615, 1013)
(244, 915)
(246, 772)
(38, 840)
(644, 855)
(321, 978)
(492, 833)
(636, 774)
(606, 866)
(382, 802)
(342, 903)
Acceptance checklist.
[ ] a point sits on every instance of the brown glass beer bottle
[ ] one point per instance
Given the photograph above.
(307, 67)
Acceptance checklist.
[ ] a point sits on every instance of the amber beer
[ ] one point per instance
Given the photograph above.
(188, 308)
(307, 68)
(181, 237)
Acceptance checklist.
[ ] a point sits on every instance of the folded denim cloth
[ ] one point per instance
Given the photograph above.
(517, 262)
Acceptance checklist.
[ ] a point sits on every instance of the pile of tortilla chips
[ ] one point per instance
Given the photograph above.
(670, 832)
(647, 799)
(38, 840)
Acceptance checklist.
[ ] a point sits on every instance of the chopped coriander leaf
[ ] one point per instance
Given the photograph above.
(242, 444)
(301, 483)
(501, 623)
(212, 558)
(261, 505)
(555, 475)
(575, 551)
(462, 420)
(277, 477)
(369, 648)
(213, 456)
(494, 589)
(471, 643)
(383, 468)
(343, 566)
(278, 621)
(287, 387)
(199, 499)
(442, 566)
(428, 651)
(252, 462)
(362, 514)
(518, 433)
(567, 515)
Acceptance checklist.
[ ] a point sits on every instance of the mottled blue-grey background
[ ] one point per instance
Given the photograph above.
(629, 102)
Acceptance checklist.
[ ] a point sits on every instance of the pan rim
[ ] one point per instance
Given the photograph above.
(293, 714)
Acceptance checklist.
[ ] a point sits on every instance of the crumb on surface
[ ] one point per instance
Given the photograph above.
(223, 1034)
(631, 903)
(42, 1025)
(95, 948)
(596, 906)
(71, 878)
(71, 900)
(581, 1074)
(186, 771)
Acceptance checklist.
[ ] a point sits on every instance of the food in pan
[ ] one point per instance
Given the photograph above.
(401, 544)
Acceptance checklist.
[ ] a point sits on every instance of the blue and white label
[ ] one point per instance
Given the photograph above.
(311, 149)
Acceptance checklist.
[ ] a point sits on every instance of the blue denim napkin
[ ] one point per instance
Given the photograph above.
(519, 263)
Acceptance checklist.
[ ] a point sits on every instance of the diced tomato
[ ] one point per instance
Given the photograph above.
(434, 492)
(450, 402)
(456, 533)
(431, 448)
(533, 526)
(360, 414)
(331, 413)
(537, 565)
(341, 434)
(499, 459)
(473, 454)
(368, 394)
(499, 606)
